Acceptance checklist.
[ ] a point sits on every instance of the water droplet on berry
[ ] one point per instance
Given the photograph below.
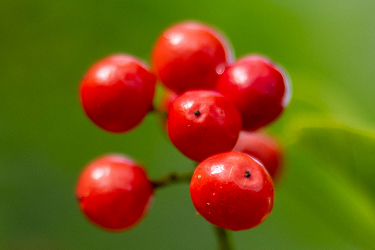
(220, 69)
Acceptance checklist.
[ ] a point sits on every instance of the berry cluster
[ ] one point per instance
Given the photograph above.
(213, 106)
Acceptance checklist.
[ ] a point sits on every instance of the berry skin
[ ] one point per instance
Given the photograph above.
(189, 56)
(258, 88)
(232, 190)
(202, 123)
(117, 92)
(264, 148)
(114, 192)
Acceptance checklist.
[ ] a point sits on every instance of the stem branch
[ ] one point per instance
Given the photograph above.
(172, 178)
(224, 241)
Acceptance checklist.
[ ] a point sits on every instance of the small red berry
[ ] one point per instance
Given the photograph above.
(190, 55)
(117, 92)
(232, 190)
(202, 123)
(258, 88)
(114, 192)
(264, 148)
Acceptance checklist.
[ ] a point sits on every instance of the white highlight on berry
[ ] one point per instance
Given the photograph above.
(104, 73)
(100, 172)
(215, 169)
(187, 105)
(175, 38)
(240, 75)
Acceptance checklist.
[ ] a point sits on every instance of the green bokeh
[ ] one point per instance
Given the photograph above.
(327, 197)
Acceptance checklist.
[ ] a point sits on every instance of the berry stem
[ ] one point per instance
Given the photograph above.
(156, 110)
(224, 241)
(172, 178)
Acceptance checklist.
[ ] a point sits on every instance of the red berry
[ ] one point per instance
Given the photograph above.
(117, 92)
(258, 88)
(202, 123)
(190, 55)
(264, 148)
(232, 190)
(114, 192)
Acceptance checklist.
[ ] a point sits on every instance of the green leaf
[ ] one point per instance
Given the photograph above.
(331, 171)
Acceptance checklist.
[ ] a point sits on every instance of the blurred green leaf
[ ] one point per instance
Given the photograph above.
(332, 170)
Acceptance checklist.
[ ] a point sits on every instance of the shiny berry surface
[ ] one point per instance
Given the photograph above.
(202, 123)
(232, 190)
(258, 88)
(264, 148)
(114, 192)
(117, 92)
(190, 55)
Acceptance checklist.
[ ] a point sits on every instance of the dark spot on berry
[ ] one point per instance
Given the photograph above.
(197, 113)
(247, 174)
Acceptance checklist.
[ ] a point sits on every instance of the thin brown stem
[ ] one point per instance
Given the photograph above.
(159, 112)
(224, 241)
(172, 178)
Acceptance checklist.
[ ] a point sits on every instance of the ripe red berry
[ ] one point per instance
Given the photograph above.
(232, 190)
(264, 148)
(117, 92)
(190, 55)
(114, 192)
(258, 88)
(202, 123)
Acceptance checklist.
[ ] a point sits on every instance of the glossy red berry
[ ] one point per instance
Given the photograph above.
(190, 55)
(232, 190)
(258, 88)
(114, 192)
(202, 123)
(264, 148)
(117, 92)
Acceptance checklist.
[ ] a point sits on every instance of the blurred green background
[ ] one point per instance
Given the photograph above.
(326, 199)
